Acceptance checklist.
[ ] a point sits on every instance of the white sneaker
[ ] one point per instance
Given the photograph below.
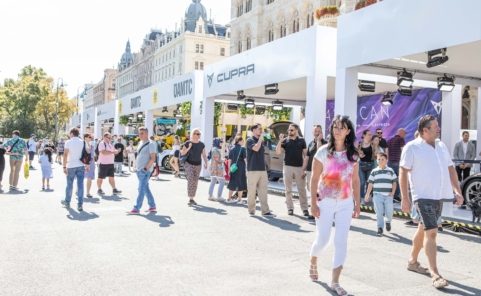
(211, 198)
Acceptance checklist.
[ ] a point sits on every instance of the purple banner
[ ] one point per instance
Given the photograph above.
(404, 113)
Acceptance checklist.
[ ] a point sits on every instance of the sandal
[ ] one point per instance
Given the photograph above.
(335, 287)
(439, 282)
(313, 273)
(416, 267)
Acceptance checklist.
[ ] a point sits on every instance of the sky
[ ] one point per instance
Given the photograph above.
(77, 40)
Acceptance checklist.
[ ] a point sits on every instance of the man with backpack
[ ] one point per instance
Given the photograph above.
(16, 147)
(106, 154)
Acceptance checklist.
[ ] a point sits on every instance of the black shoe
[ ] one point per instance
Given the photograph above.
(100, 192)
(192, 202)
(379, 232)
(80, 208)
(440, 229)
(269, 214)
(388, 226)
(411, 223)
(308, 216)
(65, 204)
(116, 191)
(463, 207)
(89, 196)
(290, 212)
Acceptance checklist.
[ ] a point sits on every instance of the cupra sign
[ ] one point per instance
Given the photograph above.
(232, 74)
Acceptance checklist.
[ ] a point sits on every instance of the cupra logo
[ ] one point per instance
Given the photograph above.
(210, 78)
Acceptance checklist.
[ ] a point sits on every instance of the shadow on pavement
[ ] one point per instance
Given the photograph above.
(466, 237)
(463, 289)
(364, 231)
(281, 224)
(328, 289)
(164, 221)
(204, 209)
(394, 237)
(81, 216)
(93, 200)
(114, 198)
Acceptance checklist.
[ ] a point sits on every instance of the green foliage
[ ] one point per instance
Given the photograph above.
(245, 111)
(217, 113)
(31, 102)
(185, 108)
(124, 119)
(281, 115)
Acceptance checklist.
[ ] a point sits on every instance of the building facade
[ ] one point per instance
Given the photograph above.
(256, 22)
(164, 55)
(104, 90)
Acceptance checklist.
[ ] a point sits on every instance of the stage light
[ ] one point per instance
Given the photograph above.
(387, 99)
(271, 89)
(405, 91)
(249, 103)
(404, 78)
(366, 85)
(277, 105)
(437, 57)
(232, 107)
(240, 95)
(446, 83)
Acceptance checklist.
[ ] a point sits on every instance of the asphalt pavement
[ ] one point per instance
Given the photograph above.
(212, 249)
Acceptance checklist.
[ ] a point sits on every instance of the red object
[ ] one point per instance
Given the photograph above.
(226, 170)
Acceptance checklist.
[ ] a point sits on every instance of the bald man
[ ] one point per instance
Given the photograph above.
(395, 146)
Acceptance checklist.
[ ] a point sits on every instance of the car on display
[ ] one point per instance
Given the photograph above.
(274, 162)
(471, 187)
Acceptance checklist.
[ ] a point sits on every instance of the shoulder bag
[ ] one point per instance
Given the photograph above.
(234, 167)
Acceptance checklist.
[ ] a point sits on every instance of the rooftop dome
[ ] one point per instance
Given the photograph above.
(195, 11)
(127, 58)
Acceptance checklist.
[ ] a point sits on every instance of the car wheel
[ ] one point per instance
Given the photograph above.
(472, 190)
(166, 163)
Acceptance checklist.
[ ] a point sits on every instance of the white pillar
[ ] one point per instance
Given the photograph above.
(207, 122)
(451, 117)
(149, 121)
(97, 125)
(117, 130)
(478, 124)
(296, 114)
(316, 97)
(346, 93)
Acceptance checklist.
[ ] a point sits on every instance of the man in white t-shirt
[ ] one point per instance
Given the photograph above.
(427, 163)
(74, 168)
(32, 149)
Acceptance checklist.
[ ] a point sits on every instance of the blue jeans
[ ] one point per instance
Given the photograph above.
(365, 169)
(144, 189)
(213, 181)
(73, 173)
(383, 205)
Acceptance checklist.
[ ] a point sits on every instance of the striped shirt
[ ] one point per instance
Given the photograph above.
(382, 180)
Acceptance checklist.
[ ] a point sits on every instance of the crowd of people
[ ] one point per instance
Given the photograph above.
(339, 174)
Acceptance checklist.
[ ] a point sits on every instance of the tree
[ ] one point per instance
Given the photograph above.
(28, 104)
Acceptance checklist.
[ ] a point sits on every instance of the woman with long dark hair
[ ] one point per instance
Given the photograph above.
(366, 160)
(238, 179)
(335, 196)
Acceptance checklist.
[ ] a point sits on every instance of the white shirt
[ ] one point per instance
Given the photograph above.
(429, 175)
(74, 146)
(465, 148)
(32, 146)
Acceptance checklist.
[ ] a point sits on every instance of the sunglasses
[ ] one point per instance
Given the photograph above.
(379, 133)
(197, 134)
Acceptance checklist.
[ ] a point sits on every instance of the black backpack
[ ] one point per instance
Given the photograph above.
(85, 157)
(96, 155)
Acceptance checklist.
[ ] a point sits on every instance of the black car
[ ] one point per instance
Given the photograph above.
(471, 187)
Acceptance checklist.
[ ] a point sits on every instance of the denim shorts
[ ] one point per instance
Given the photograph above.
(429, 212)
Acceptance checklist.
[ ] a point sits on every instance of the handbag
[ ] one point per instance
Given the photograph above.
(234, 167)
(85, 158)
(183, 158)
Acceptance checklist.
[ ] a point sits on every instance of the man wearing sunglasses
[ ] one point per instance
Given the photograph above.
(295, 163)
(382, 141)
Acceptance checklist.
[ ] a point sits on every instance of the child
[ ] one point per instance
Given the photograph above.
(382, 181)
(46, 165)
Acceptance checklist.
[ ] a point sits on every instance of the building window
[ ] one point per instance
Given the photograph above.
(270, 35)
(240, 9)
(239, 46)
(200, 29)
(283, 31)
(201, 66)
(222, 51)
(197, 48)
(248, 43)
(197, 65)
(295, 26)
(248, 5)
(202, 48)
(270, 1)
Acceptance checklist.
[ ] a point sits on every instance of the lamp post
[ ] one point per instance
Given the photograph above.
(59, 84)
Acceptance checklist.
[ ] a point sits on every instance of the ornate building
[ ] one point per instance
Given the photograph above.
(104, 90)
(256, 22)
(164, 55)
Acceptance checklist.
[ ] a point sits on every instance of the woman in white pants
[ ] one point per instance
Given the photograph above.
(131, 155)
(335, 196)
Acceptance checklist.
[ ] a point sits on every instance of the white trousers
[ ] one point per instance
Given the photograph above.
(340, 212)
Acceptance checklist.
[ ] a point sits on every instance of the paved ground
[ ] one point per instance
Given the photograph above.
(213, 249)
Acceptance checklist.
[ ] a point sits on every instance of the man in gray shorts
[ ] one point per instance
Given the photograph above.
(427, 163)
